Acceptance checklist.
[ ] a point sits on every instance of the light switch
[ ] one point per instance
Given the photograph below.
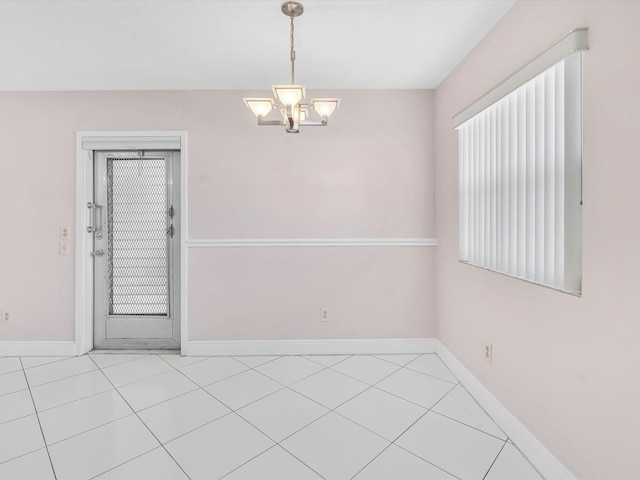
(63, 247)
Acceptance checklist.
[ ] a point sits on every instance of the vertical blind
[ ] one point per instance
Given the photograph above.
(520, 167)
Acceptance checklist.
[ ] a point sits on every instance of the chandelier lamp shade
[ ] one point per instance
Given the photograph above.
(289, 100)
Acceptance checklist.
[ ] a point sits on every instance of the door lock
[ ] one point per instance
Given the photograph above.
(97, 253)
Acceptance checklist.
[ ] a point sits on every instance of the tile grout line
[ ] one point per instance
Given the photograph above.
(279, 443)
(141, 421)
(152, 376)
(205, 391)
(17, 418)
(324, 367)
(198, 387)
(392, 442)
(124, 463)
(254, 369)
(431, 409)
(15, 391)
(453, 385)
(134, 381)
(370, 386)
(89, 430)
(399, 364)
(76, 400)
(21, 455)
(61, 359)
(44, 440)
(347, 357)
(21, 417)
(114, 364)
(275, 357)
(329, 410)
(275, 445)
(371, 461)
(285, 386)
(12, 371)
(414, 454)
(494, 460)
(427, 461)
(422, 416)
(374, 385)
(333, 410)
(483, 409)
(234, 411)
(200, 359)
(64, 378)
(203, 387)
(231, 412)
(470, 426)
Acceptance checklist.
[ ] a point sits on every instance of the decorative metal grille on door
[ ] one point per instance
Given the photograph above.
(138, 276)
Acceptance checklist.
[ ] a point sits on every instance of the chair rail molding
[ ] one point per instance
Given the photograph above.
(311, 242)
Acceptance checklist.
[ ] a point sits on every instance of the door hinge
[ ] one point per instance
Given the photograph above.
(170, 231)
(172, 211)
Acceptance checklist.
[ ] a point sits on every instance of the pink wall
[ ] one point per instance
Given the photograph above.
(368, 174)
(277, 293)
(567, 367)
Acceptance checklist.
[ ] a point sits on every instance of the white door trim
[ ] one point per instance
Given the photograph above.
(84, 194)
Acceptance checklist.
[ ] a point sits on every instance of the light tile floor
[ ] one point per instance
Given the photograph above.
(165, 417)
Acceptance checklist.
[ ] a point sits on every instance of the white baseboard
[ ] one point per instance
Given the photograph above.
(539, 456)
(37, 349)
(311, 347)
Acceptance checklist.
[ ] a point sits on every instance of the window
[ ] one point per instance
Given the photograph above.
(520, 168)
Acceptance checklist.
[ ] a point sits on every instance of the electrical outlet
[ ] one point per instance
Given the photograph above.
(7, 317)
(488, 353)
(324, 315)
(63, 247)
(65, 233)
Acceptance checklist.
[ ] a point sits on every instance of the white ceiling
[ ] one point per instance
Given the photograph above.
(237, 44)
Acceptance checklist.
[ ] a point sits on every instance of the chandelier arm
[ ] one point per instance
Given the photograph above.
(323, 123)
(275, 123)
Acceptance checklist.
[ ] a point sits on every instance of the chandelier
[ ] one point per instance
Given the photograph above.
(289, 98)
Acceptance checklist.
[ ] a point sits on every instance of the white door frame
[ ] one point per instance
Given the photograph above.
(115, 141)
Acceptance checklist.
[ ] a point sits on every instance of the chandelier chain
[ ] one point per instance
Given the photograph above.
(293, 52)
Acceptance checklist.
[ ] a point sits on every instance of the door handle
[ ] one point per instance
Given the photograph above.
(92, 217)
(97, 253)
(93, 220)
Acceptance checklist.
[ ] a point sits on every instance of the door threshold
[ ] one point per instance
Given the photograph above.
(134, 352)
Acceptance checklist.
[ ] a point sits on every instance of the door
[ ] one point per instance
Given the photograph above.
(135, 254)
